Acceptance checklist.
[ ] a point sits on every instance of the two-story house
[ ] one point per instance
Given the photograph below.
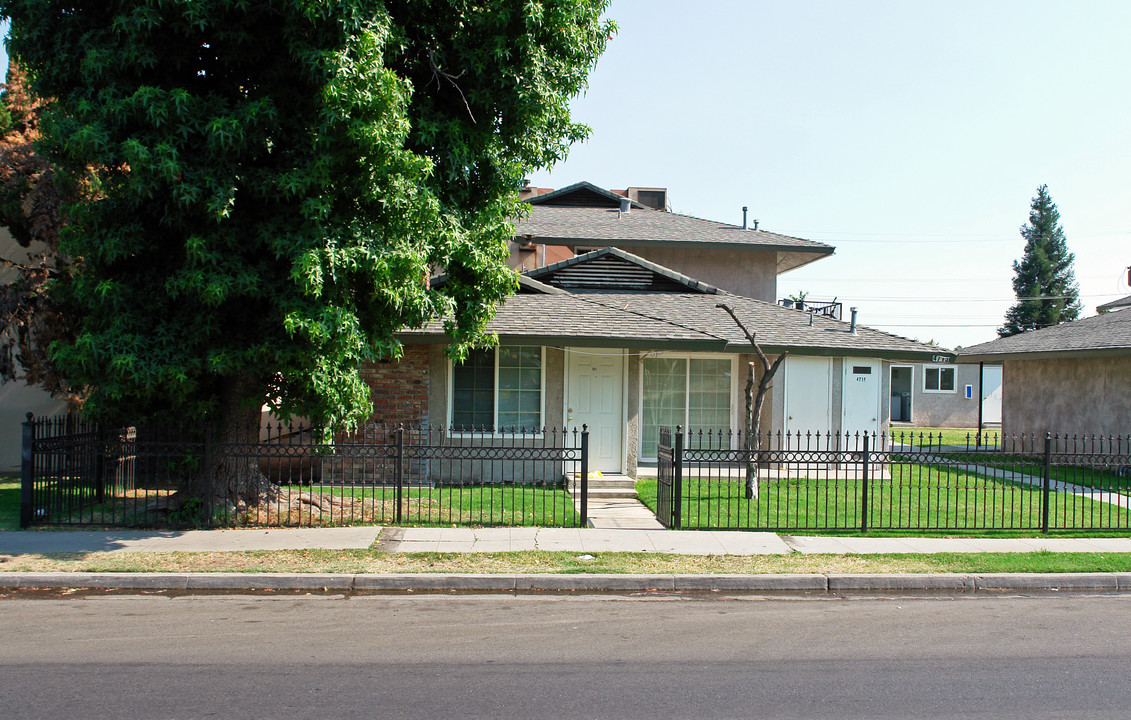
(617, 326)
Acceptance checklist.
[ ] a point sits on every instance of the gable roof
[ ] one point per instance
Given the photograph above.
(615, 269)
(583, 194)
(1102, 335)
(1115, 305)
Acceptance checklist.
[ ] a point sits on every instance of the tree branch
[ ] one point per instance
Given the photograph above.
(437, 72)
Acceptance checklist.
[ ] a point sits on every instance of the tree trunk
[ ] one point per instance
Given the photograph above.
(236, 478)
(751, 436)
(754, 404)
(229, 479)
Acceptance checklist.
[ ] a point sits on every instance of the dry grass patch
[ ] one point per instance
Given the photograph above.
(294, 507)
(372, 561)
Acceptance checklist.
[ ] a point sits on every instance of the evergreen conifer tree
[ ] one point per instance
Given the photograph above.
(1043, 280)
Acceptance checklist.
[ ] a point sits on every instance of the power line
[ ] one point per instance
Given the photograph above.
(874, 237)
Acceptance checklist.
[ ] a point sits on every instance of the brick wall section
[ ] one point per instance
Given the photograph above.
(399, 393)
(399, 389)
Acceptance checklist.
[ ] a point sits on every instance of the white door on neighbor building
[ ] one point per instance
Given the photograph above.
(595, 397)
(991, 394)
(860, 406)
(807, 394)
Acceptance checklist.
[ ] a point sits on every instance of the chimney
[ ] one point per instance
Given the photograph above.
(852, 327)
(744, 208)
(625, 204)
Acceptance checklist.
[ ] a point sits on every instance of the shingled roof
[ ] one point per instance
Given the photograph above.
(1115, 305)
(584, 214)
(1098, 336)
(663, 319)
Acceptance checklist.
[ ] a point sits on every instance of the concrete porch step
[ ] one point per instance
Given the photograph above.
(610, 493)
(607, 486)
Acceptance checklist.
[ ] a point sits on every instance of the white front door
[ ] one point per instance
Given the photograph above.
(594, 397)
(991, 394)
(807, 395)
(861, 398)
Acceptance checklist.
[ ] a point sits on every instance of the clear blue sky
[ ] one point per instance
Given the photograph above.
(910, 135)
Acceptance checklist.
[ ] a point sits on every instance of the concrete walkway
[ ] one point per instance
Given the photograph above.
(584, 540)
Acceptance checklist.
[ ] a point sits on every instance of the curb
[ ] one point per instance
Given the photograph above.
(205, 583)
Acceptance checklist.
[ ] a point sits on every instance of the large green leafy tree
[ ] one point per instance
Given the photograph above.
(265, 185)
(1043, 280)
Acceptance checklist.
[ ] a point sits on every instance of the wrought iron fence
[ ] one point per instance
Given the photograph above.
(77, 473)
(860, 482)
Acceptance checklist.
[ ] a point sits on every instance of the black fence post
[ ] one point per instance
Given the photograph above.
(399, 470)
(864, 486)
(100, 464)
(1046, 484)
(27, 470)
(677, 479)
(209, 474)
(584, 475)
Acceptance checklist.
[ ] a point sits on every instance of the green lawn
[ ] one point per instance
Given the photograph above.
(9, 502)
(919, 498)
(299, 505)
(942, 436)
(1104, 477)
(483, 505)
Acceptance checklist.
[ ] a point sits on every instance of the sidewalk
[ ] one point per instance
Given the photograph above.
(581, 540)
(472, 540)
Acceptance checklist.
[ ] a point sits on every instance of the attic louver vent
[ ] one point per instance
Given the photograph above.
(610, 273)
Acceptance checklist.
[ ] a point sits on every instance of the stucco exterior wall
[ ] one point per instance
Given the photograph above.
(943, 410)
(1067, 395)
(17, 399)
(750, 273)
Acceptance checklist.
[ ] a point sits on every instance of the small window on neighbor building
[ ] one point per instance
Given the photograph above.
(939, 379)
(861, 370)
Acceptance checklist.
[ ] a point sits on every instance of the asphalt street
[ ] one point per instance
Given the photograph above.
(563, 656)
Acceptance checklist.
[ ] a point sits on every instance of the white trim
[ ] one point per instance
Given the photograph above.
(940, 368)
(495, 403)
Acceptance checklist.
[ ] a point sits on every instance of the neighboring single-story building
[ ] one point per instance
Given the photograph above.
(624, 345)
(940, 395)
(1073, 378)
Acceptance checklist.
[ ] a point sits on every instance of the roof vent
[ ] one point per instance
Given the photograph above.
(744, 209)
(625, 204)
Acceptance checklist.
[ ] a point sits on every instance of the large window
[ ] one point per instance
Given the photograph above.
(939, 379)
(692, 392)
(498, 388)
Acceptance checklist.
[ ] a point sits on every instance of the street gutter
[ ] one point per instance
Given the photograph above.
(21, 583)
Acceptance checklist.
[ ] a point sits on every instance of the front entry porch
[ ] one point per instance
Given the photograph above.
(612, 502)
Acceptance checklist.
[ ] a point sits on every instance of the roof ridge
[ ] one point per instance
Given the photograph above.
(739, 227)
(581, 185)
